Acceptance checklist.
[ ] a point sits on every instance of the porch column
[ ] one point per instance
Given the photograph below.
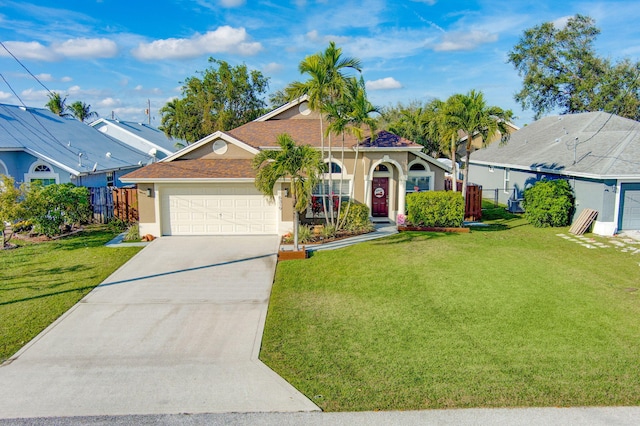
(402, 192)
(367, 193)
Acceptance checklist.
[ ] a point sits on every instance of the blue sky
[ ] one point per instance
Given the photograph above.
(117, 55)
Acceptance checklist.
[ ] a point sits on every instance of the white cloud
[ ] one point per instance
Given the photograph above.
(44, 77)
(383, 84)
(33, 95)
(5, 96)
(224, 39)
(83, 48)
(273, 68)
(66, 79)
(464, 40)
(29, 50)
(109, 102)
(231, 3)
(429, 2)
(87, 48)
(561, 22)
(138, 87)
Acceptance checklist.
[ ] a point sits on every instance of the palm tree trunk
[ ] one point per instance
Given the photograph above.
(296, 219)
(465, 174)
(322, 193)
(331, 212)
(454, 171)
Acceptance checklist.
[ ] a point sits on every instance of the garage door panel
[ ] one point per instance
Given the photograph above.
(216, 209)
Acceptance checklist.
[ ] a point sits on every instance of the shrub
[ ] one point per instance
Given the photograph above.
(133, 233)
(435, 208)
(549, 203)
(355, 218)
(53, 206)
(305, 234)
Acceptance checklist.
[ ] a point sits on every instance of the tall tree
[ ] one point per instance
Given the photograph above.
(222, 98)
(57, 104)
(82, 111)
(471, 116)
(415, 122)
(561, 70)
(301, 164)
(352, 115)
(327, 83)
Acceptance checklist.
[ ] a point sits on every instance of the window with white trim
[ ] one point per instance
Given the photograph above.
(507, 173)
(41, 173)
(419, 178)
(335, 188)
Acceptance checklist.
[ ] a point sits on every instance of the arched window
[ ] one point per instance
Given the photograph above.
(335, 168)
(381, 168)
(41, 173)
(3, 169)
(420, 177)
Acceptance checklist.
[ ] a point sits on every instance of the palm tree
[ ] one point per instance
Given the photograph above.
(57, 104)
(351, 115)
(82, 111)
(472, 117)
(301, 164)
(327, 84)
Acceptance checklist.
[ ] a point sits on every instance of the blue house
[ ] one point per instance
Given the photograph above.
(39, 146)
(596, 152)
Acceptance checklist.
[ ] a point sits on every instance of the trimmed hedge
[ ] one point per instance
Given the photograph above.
(549, 203)
(436, 208)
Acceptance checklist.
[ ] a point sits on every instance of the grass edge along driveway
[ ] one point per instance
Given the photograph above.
(39, 282)
(509, 316)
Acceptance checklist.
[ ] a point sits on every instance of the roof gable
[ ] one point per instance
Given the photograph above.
(139, 135)
(228, 138)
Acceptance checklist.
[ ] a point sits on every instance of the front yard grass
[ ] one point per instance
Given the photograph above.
(39, 282)
(506, 316)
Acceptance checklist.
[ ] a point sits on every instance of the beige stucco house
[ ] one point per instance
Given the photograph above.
(208, 187)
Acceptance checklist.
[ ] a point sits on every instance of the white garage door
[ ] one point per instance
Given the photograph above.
(206, 209)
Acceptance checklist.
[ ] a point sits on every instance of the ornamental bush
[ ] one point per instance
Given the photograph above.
(53, 206)
(435, 208)
(357, 218)
(549, 203)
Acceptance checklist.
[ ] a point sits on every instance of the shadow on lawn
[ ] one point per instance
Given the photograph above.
(410, 236)
(42, 296)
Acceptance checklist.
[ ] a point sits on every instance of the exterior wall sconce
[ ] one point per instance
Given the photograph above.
(148, 192)
(286, 192)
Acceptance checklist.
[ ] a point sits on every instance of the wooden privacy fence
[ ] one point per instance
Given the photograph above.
(108, 203)
(473, 201)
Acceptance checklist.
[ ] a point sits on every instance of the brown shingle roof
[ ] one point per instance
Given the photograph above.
(307, 132)
(196, 169)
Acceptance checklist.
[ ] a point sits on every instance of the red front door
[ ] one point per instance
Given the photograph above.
(380, 197)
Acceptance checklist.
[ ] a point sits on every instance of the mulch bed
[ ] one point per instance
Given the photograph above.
(431, 229)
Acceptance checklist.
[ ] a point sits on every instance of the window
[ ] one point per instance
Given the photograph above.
(381, 168)
(41, 173)
(420, 177)
(506, 179)
(335, 168)
(109, 178)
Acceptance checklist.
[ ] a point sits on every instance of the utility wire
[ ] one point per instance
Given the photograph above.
(23, 66)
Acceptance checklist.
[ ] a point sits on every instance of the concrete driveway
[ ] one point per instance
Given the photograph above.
(175, 330)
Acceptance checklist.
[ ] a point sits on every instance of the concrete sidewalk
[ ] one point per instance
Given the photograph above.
(175, 330)
(589, 416)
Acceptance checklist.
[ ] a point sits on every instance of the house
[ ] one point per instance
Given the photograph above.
(39, 146)
(208, 187)
(597, 152)
(140, 136)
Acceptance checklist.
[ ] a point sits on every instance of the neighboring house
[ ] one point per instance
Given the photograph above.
(597, 152)
(140, 136)
(39, 146)
(208, 187)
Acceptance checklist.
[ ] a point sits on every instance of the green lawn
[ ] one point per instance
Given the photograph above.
(502, 317)
(39, 282)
